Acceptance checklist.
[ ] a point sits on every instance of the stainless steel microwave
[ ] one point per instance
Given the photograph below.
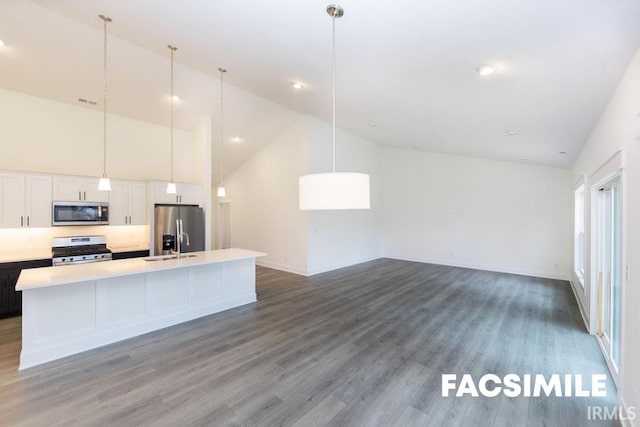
(80, 213)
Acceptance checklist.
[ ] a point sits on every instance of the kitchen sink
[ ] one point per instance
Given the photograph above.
(160, 257)
(166, 257)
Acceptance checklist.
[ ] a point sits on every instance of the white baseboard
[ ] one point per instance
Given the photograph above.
(328, 268)
(307, 273)
(628, 422)
(585, 318)
(499, 269)
(281, 267)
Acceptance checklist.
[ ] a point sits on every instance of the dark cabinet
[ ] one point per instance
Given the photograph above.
(10, 299)
(130, 254)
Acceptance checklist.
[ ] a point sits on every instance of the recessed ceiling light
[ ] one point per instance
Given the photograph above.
(372, 124)
(176, 98)
(487, 70)
(297, 85)
(522, 158)
(511, 132)
(236, 139)
(1, 43)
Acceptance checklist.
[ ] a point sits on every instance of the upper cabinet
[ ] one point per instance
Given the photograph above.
(74, 188)
(186, 194)
(25, 200)
(127, 203)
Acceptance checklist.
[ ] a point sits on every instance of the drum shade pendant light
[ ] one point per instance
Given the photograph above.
(334, 190)
(104, 184)
(221, 190)
(171, 186)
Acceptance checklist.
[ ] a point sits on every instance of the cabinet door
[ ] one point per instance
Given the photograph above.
(91, 193)
(67, 188)
(190, 194)
(137, 203)
(118, 211)
(12, 200)
(4, 294)
(38, 198)
(160, 194)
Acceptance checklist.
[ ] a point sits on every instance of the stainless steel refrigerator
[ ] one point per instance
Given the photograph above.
(192, 224)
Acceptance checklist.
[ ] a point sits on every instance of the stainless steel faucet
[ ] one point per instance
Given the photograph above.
(180, 234)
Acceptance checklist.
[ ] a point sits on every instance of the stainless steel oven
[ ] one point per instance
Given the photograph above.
(80, 213)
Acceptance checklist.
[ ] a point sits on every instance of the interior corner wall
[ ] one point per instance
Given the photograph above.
(264, 201)
(47, 136)
(476, 213)
(342, 238)
(203, 151)
(619, 128)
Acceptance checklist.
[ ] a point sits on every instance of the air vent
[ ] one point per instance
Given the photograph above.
(87, 101)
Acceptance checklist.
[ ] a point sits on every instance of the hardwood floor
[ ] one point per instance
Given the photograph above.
(364, 345)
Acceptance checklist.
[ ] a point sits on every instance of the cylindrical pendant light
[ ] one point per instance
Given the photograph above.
(104, 184)
(171, 186)
(221, 190)
(335, 190)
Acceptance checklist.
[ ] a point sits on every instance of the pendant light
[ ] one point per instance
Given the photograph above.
(221, 190)
(104, 184)
(334, 190)
(171, 186)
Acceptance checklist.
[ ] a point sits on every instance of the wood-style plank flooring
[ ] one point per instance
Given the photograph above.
(365, 345)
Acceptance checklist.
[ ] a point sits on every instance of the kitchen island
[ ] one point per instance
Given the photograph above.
(73, 308)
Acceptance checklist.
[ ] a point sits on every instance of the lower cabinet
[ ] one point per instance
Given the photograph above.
(10, 299)
(130, 254)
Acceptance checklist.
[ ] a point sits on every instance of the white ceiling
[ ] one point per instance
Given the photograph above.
(406, 65)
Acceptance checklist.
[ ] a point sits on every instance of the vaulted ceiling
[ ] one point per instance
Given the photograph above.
(407, 69)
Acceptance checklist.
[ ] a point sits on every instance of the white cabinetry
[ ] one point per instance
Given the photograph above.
(186, 194)
(75, 188)
(25, 200)
(127, 203)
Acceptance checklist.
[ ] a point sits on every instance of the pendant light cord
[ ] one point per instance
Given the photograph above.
(222, 71)
(173, 49)
(333, 83)
(106, 19)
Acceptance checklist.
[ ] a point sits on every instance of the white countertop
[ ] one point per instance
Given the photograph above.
(62, 275)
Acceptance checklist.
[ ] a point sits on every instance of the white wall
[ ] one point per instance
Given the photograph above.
(48, 136)
(264, 201)
(341, 238)
(476, 213)
(264, 194)
(619, 127)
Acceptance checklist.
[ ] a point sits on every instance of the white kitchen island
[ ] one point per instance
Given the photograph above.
(73, 308)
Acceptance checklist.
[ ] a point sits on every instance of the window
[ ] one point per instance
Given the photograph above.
(609, 269)
(579, 244)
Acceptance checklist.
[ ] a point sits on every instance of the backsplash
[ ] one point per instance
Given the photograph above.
(22, 242)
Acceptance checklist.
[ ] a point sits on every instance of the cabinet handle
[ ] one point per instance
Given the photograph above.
(85, 195)
(79, 195)
(129, 219)
(27, 220)
(21, 221)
